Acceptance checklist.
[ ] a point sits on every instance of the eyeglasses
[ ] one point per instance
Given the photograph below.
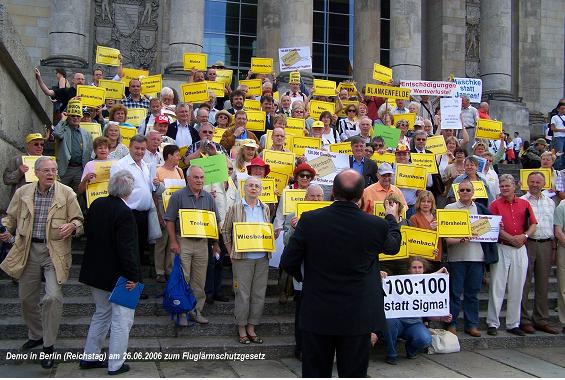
(465, 190)
(420, 139)
(298, 111)
(305, 175)
(224, 116)
(230, 169)
(38, 144)
(207, 132)
(48, 171)
(378, 145)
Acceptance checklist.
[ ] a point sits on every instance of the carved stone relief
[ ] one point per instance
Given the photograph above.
(472, 38)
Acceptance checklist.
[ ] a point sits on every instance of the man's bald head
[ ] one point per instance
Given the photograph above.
(348, 186)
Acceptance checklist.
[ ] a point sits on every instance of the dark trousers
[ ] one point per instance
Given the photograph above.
(213, 284)
(297, 329)
(141, 220)
(352, 352)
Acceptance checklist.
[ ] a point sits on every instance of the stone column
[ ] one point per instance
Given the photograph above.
(367, 43)
(186, 31)
(269, 30)
(297, 19)
(496, 47)
(406, 39)
(69, 37)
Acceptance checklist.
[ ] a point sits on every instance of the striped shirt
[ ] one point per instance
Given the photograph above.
(42, 203)
(544, 207)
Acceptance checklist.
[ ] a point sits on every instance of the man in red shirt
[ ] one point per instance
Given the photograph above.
(518, 223)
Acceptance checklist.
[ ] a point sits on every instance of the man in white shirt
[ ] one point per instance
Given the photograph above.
(470, 116)
(153, 157)
(400, 109)
(181, 131)
(517, 143)
(557, 124)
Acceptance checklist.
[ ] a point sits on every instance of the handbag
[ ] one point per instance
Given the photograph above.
(443, 342)
(153, 226)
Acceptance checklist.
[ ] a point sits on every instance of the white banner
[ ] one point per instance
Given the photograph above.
(340, 161)
(486, 233)
(472, 87)
(450, 109)
(295, 58)
(424, 87)
(416, 295)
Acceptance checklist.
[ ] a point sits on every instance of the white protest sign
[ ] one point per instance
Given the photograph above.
(450, 109)
(471, 87)
(485, 228)
(295, 58)
(340, 161)
(416, 295)
(424, 87)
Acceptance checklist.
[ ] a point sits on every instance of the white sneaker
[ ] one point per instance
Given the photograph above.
(198, 318)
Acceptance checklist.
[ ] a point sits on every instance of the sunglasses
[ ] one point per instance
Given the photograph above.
(351, 111)
(465, 190)
(298, 111)
(230, 169)
(305, 175)
(38, 144)
(420, 139)
(208, 132)
(224, 116)
(379, 145)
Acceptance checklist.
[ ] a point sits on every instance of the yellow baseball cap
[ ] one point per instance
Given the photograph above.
(34, 136)
(318, 124)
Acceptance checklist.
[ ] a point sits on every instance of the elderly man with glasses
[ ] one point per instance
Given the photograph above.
(205, 146)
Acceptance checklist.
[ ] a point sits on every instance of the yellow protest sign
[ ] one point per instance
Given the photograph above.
(281, 162)
(114, 89)
(196, 92)
(382, 73)
(130, 74)
(102, 171)
(409, 117)
(198, 224)
(74, 107)
(350, 87)
(302, 207)
(420, 242)
(389, 158)
(94, 129)
(217, 88)
(324, 87)
(107, 56)
(276, 96)
(290, 198)
(29, 161)
(436, 144)
(344, 147)
(196, 61)
(253, 237)
(287, 139)
(167, 195)
(410, 177)
(379, 209)
(261, 65)
(252, 105)
(323, 165)
(402, 253)
(151, 84)
(316, 107)
(253, 85)
(136, 116)
(387, 91)
(281, 180)
(427, 160)
(127, 133)
(300, 143)
(224, 76)
(480, 190)
(218, 134)
(182, 152)
(268, 194)
(255, 120)
(524, 173)
(488, 129)
(294, 77)
(347, 103)
(295, 126)
(453, 223)
(96, 190)
(91, 96)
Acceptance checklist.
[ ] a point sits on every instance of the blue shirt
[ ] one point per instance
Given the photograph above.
(243, 135)
(254, 214)
(358, 165)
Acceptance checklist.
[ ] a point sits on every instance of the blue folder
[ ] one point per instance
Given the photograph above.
(126, 298)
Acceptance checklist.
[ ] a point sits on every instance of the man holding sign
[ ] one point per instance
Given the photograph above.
(135, 99)
(14, 173)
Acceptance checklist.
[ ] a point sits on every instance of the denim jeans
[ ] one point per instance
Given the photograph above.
(465, 279)
(559, 145)
(416, 335)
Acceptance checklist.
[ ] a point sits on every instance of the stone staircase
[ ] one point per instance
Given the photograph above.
(154, 332)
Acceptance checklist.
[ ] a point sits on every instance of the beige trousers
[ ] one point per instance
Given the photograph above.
(250, 285)
(561, 278)
(194, 261)
(539, 266)
(162, 254)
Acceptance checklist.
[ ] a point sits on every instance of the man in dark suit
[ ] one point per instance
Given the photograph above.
(181, 131)
(342, 299)
(111, 251)
(367, 168)
(419, 146)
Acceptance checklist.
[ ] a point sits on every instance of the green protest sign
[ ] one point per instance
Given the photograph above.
(215, 168)
(389, 134)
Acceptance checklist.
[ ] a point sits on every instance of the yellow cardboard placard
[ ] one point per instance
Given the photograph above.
(136, 116)
(290, 198)
(261, 65)
(281, 180)
(389, 158)
(268, 194)
(196, 223)
(453, 223)
(196, 92)
(224, 76)
(387, 91)
(107, 56)
(102, 171)
(251, 105)
(382, 73)
(197, 61)
(167, 195)
(480, 227)
(91, 96)
(350, 87)
(294, 76)
(300, 143)
(436, 144)
(344, 147)
(488, 129)
(254, 86)
(29, 161)
(410, 117)
(276, 96)
(295, 126)
(316, 107)
(480, 190)
(255, 120)
(217, 88)
(127, 133)
(182, 152)
(324, 87)
(281, 162)
(218, 134)
(287, 139)
(524, 173)
(410, 176)
(114, 89)
(347, 103)
(253, 237)
(151, 84)
(427, 160)
(402, 253)
(420, 242)
(323, 165)
(302, 207)
(130, 74)
(379, 209)
(96, 190)
(94, 129)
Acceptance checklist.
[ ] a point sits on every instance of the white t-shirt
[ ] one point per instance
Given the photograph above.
(559, 122)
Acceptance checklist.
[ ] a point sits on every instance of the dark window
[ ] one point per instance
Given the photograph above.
(385, 34)
(338, 30)
(339, 6)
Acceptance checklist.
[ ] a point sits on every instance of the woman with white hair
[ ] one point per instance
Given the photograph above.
(116, 149)
(414, 107)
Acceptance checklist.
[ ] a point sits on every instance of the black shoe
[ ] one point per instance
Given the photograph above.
(516, 331)
(32, 343)
(143, 296)
(86, 364)
(221, 298)
(123, 369)
(492, 331)
(391, 360)
(209, 300)
(48, 362)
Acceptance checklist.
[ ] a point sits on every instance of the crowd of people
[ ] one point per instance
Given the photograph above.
(43, 217)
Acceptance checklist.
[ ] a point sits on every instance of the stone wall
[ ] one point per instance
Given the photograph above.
(23, 106)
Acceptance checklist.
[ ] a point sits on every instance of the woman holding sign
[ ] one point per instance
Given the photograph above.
(100, 145)
(116, 149)
(247, 152)
(119, 114)
(425, 217)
